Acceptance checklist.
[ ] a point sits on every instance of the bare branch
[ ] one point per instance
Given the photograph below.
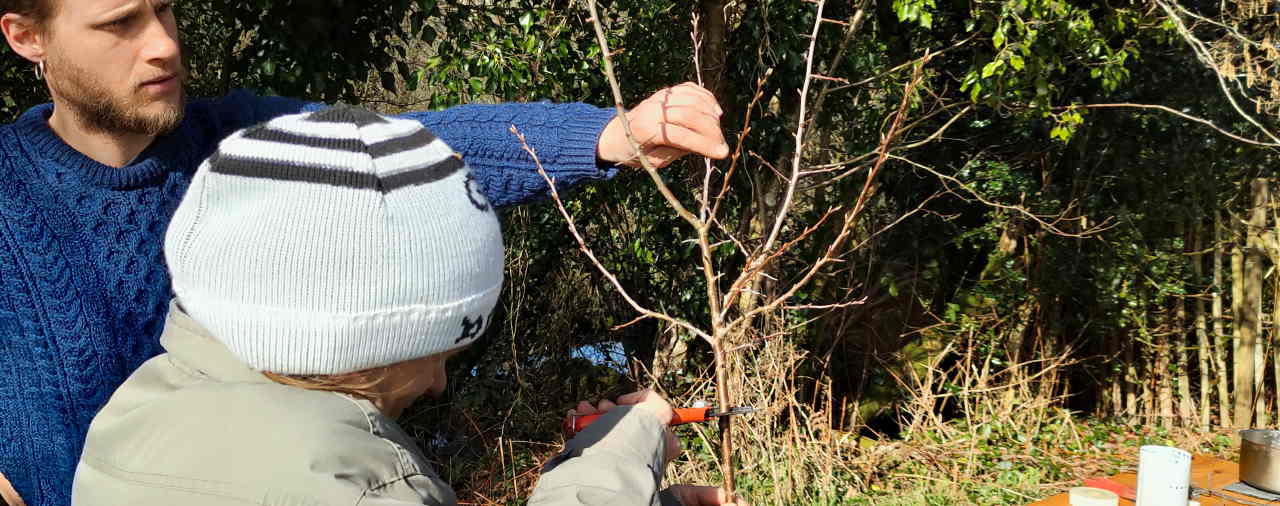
(831, 254)
(1202, 52)
(705, 204)
(803, 118)
(1180, 114)
(582, 246)
(937, 134)
(852, 28)
(626, 122)
(948, 180)
(742, 137)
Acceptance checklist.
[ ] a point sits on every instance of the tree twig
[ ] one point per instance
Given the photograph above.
(803, 119)
(1175, 112)
(582, 246)
(626, 122)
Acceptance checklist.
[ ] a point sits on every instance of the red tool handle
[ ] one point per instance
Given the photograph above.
(575, 423)
(1123, 491)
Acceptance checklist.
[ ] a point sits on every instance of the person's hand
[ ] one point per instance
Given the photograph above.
(671, 123)
(646, 400)
(7, 494)
(697, 495)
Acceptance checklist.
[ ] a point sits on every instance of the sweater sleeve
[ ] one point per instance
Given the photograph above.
(563, 135)
(618, 460)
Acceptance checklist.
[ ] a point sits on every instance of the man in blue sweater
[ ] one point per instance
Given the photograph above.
(89, 182)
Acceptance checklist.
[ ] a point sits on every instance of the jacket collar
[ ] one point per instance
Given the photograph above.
(189, 344)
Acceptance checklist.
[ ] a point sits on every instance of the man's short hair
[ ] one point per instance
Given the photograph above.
(38, 10)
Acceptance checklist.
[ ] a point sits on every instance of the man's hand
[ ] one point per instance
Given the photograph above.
(695, 495)
(672, 123)
(647, 400)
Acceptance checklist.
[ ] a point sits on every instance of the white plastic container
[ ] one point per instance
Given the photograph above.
(1164, 476)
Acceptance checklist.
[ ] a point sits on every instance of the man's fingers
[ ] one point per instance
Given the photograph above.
(634, 397)
(673, 445)
(606, 405)
(705, 94)
(701, 495)
(700, 99)
(585, 408)
(701, 125)
(709, 144)
(662, 157)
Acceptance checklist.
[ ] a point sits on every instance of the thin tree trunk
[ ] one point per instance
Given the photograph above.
(1242, 381)
(1130, 380)
(1271, 351)
(1255, 265)
(1182, 339)
(1257, 253)
(1203, 351)
(726, 426)
(714, 55)
(1117, 387)
(1219, 330)
(1274, 235)
(1248, 319)
(1164, 380)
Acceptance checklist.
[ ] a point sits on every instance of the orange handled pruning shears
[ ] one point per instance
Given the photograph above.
(575, 423)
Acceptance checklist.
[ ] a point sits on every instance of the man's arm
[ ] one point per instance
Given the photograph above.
(563, 135)
(575, 142)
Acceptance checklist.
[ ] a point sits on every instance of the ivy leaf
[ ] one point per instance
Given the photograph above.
(990, 69)
(526, 21)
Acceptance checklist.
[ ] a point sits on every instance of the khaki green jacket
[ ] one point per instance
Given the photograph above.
(197, 427)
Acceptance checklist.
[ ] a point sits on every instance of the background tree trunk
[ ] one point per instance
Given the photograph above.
(1255, 265)
(1219, 330)
(1248, 322)
(1130, 380)
(1261, 190)
(1203, 350)
(1163, 378)
(1182, 340)
(1242, 367)
(714, 56)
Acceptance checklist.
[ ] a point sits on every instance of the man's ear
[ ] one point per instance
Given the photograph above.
(25, 36)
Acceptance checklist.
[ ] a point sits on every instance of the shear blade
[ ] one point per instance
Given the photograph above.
(740, 410)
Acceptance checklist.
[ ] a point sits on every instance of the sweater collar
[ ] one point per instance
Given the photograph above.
(192, 346)
(33, 128)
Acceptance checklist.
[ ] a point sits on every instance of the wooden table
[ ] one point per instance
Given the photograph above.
(1206, 472)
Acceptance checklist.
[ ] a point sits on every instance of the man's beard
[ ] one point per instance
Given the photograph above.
(99, 110)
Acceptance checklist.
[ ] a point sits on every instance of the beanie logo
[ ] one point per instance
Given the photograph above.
(477, 199)
(470, 330)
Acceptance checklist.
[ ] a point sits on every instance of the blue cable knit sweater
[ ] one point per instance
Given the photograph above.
(85, 287)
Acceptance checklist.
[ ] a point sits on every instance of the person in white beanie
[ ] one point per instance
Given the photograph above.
(325, 266)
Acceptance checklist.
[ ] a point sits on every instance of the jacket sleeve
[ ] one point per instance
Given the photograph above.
(416, 489)
(618, 460)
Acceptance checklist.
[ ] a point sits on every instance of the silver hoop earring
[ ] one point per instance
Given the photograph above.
(40, 70)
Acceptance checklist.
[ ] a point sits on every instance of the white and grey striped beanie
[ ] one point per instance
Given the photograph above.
(333, 242)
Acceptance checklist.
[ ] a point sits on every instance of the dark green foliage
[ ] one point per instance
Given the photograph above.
(990, 279)
(315, 49)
